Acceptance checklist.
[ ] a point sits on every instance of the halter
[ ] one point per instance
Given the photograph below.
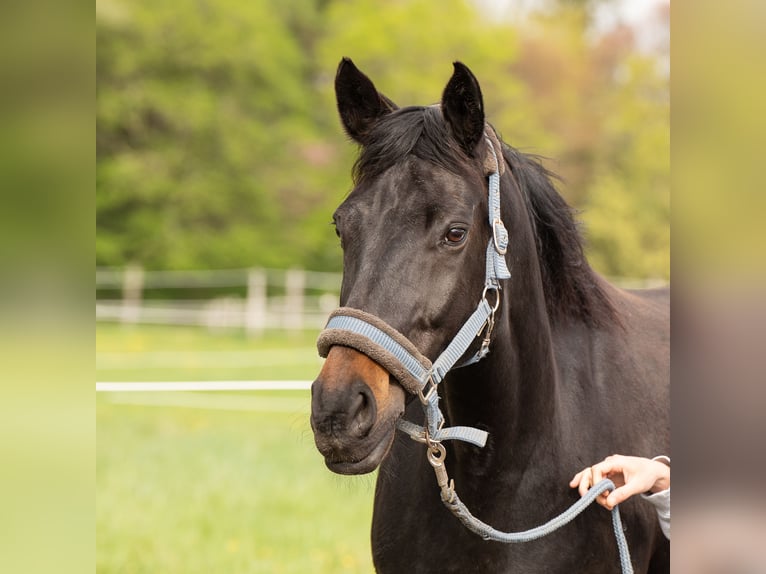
(383, 344)
(393, 351)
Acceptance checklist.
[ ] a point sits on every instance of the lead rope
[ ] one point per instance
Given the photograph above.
(436, 456)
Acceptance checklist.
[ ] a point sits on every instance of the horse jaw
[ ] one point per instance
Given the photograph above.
(355, 405)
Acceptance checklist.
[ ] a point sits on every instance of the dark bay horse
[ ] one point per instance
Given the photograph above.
(577, 369)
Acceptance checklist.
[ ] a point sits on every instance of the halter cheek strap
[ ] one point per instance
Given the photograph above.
(375, 338)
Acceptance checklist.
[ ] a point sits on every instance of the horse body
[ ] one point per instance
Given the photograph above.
(519, 479)
(578, 369)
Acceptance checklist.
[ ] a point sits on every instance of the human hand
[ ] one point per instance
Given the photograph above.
(630, 474)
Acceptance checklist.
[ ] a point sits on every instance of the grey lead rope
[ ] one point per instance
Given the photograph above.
(456, 506)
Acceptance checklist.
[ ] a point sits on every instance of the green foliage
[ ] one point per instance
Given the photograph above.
(219, 146)
(203, 114)
(628, 211)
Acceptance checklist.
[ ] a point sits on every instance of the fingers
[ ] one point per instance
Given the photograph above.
(611, 467)
(603, 500)
(584, 480)
(607, 467)
(576, 480)
(581, 481)
(619, 495)
(585, 484)
(598, 472)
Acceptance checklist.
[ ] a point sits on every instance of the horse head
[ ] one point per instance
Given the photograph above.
(414, 234)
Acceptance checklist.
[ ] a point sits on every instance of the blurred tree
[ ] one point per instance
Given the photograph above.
(605, 107)
(204, 118)
(627, 209)
(218, 143)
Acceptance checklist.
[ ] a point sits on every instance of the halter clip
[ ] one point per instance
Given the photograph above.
(499, 236)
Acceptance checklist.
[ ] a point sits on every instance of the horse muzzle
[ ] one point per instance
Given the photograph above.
(355, 405)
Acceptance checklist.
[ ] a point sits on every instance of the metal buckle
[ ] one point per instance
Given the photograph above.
(425, 399)
(499, 236)
(489, 326)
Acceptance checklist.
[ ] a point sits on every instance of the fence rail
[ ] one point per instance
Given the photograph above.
(175, 386)
(292, 299)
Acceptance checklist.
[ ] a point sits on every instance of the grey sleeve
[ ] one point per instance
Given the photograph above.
(661, 502)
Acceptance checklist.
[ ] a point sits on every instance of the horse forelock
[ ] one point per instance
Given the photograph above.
(416, 131)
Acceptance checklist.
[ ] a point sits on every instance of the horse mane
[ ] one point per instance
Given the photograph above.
(571, 288)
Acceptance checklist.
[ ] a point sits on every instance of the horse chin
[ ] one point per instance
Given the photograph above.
(366, 462)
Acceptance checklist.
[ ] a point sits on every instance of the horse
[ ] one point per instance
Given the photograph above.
(572, 367)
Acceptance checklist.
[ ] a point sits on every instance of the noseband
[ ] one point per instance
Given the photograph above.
(375, 338)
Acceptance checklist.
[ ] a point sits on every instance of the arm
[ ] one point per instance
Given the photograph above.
(661, 502)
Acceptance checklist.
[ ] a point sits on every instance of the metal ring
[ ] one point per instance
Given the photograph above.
(436, 453)
(497, 296)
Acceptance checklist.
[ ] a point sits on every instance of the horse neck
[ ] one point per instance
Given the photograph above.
(512, 393)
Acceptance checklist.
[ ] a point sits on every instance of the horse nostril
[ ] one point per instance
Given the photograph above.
(362, 411)
(349, 411)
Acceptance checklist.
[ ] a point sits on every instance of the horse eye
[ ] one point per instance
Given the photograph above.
(455, 235)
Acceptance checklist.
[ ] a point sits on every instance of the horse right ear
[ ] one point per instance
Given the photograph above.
(463, 108)
(360, 105)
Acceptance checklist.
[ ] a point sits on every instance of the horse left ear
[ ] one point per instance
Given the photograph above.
(360, 105)
(463, 108)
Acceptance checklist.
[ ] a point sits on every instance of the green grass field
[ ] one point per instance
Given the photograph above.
(218, 482)
(157, 353)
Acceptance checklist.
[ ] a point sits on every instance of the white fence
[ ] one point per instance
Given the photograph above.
(291, 299)
(187, 386)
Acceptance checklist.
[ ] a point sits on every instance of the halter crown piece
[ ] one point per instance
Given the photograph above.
(382, 343)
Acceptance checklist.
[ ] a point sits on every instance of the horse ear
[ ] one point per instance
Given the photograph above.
(463, 108)
(359, 103)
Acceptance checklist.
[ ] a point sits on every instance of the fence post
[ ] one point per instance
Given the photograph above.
(295, 284)
(255, 308)
(132, 293)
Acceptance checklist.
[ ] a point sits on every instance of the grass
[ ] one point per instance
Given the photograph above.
(158, 353)
(218, 482)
